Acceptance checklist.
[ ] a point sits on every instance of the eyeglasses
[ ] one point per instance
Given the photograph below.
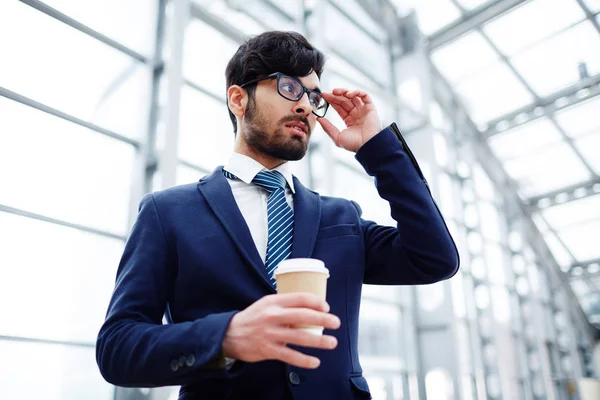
(292, 89)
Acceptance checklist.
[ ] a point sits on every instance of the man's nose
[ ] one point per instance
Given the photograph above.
(303, 106)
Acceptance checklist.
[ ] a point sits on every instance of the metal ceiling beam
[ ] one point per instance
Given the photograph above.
(471, 21)
(504, 182)
(9, 94)
(584, 265)
(54, 13)
(589, 15)
(577, 93)
(43, 218)
(566, 194)
(221, 25)
(567, 139)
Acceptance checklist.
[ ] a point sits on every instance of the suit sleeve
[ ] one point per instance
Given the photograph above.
(133, 347)
(420, 249)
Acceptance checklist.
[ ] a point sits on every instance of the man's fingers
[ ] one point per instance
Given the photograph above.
(305, 316)
(299, 299)
(292, 357)
(350, 94)
(304, 339)
(340, 100)
(357, 101)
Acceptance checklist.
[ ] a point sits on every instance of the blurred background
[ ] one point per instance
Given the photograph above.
(102, 101)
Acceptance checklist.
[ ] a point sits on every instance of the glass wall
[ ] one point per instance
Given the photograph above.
(87, 99)
(74, 111)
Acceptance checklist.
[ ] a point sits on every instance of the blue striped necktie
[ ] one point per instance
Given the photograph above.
(280, 218)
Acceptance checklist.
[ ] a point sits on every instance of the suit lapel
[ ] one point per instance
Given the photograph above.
(217, 192)
(307, 216)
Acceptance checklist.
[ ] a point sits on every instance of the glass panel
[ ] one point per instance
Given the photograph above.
(554, 167)
(524, 139)
(589, 146)
(336, 64)
(581, 118)
(492, 93)
(573, 212)
(362, 191)
(582, 240)
(483, 185)
(237, 19)
(463, 347)
(345, 38)
(270, 14)
(490, 221)
(60, 372)
(360, 16)
(186, 174)
(68, 266)
(447, 196)
(56, 168)
(431, 297)
(378, 292)
(554, 64)
(131, 23)
(440, 147)
(379, 326)
(206, 134)
(532, 22)
(495, 260)
(450, 59)
(432, 15)
(293, 8)
(472, 4)
(71, 71)
(501, 306)
(458, 297)
(202, 41)
(439, 385)
(592, 5)
(560, 253)
(439, 119)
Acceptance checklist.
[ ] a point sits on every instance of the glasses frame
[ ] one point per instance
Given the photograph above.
(306, 90)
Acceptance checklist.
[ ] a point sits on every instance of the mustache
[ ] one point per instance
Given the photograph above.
(297, 118)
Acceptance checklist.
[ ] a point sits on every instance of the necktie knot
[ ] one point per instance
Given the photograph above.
(270, 180)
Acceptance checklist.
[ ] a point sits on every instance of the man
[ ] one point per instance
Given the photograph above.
(203, 254)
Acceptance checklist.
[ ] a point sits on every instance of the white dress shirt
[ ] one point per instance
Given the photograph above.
(252, 199)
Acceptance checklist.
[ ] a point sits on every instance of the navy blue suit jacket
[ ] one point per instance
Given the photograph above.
(190, 257)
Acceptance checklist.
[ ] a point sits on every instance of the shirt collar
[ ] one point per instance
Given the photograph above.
(246, 168)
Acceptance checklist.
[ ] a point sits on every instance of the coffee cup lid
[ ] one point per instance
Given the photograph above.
(301, 265)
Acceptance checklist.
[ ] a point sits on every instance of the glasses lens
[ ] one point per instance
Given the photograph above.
(319, 104)
(290, 88)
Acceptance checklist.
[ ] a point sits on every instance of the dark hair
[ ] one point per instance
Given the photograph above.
(275, 51)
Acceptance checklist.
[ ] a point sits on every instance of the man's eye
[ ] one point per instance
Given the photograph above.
(287, 87)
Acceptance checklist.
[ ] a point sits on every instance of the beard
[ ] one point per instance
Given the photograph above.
(276, 143)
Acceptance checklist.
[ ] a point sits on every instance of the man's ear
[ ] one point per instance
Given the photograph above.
(237, 99)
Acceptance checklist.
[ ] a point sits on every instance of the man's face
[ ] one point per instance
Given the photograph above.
(278, 127)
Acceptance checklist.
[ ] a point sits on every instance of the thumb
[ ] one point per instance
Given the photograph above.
(330, 129)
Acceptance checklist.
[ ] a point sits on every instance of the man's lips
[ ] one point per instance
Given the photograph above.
(300, 126)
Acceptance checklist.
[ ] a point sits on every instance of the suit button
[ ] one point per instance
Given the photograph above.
(174, 365)
(190, 360)
(294, 378)
(181, 361)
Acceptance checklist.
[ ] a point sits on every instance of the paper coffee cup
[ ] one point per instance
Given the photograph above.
(303, 275)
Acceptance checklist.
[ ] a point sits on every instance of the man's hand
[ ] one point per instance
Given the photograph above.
(261, 331)
(359, 114)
